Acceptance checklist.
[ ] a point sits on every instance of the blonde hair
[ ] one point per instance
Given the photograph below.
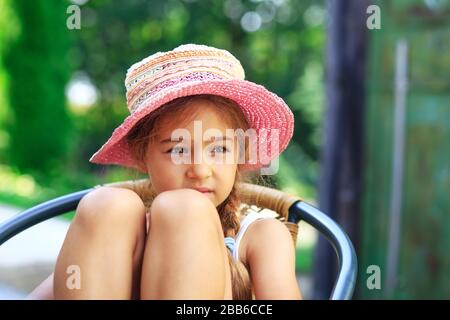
(145, 131)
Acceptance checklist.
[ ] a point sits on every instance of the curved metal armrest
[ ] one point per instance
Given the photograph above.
(348, 265)
(49, 209)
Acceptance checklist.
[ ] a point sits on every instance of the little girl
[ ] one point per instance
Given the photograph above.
(189, 109)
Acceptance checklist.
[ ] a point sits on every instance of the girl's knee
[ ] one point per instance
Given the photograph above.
(110, 206)
(182, 208)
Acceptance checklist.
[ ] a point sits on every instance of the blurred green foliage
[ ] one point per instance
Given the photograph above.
(37, 63)
(304, 259)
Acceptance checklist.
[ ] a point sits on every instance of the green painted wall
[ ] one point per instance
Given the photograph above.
(424, 253)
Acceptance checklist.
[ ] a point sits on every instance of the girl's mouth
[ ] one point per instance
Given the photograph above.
(203, 190)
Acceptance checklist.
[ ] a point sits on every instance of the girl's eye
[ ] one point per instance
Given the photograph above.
(176, 150)
(221, 148)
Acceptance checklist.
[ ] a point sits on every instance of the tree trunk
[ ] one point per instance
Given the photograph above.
(341, 154)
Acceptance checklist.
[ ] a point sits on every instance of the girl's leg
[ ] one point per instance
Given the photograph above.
(103, 247)
(185, 254)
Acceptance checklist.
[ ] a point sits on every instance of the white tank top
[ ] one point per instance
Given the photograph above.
(251, 217)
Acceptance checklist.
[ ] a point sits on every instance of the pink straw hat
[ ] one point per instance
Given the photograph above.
(192, 69)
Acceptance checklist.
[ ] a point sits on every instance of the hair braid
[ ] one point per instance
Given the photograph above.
(229, 218)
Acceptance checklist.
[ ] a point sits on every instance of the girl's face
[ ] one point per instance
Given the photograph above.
(190, 159)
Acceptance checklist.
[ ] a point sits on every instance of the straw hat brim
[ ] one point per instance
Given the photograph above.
(262, 109)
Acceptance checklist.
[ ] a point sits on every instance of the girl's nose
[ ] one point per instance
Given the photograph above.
(199, 171)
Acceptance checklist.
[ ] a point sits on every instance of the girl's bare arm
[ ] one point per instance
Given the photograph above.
(271, 258)
(44, 291)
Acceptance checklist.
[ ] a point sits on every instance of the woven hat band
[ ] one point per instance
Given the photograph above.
(151, 91)
(155, 75)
